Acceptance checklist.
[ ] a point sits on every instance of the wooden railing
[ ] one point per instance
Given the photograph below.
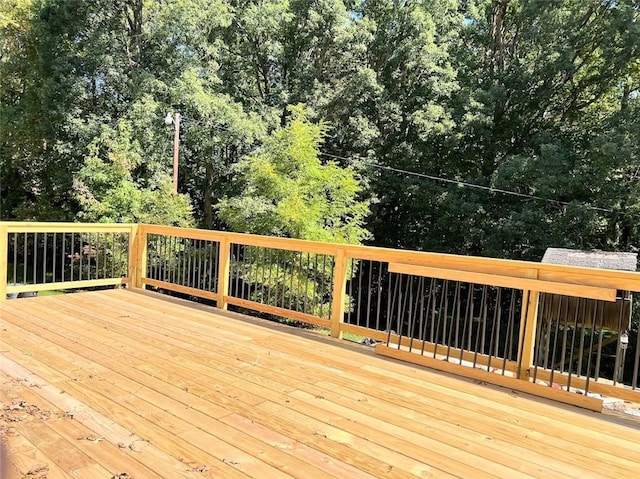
(478, 315)
(38, 257)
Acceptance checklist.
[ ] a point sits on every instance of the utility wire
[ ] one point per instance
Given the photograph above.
(470, 185)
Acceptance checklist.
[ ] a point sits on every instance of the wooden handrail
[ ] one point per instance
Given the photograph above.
(575, 275)
(554, 287)
(135, 258)
(529, 277)
(622, 280)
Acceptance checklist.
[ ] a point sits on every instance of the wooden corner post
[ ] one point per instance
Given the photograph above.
(4, 261)
(528, 327)
(338, 297)
(141, 253)
(135, 275)
(224, 263)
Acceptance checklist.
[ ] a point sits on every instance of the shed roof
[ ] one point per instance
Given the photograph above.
(591, 259)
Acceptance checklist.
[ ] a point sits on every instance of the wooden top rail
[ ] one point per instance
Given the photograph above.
(551, 273)
(290, 244)
(29, 227)
(578, 290)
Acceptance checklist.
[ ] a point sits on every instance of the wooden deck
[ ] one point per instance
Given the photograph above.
(125, 384)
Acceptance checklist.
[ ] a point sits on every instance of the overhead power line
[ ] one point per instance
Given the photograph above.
(466, 184)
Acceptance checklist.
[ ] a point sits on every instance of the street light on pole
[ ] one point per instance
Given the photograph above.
(176, 146)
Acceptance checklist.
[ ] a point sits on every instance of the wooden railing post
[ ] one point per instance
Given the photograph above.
(133, 256)
(338, 297)
(528, 327)
(141, 253)
(4, 252)
(224, 262)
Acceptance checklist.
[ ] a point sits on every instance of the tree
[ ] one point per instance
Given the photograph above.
(289, 192)
(111, 186)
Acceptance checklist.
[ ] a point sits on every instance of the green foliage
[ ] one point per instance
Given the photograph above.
(289, 192)
(536, 97)
(109, 190)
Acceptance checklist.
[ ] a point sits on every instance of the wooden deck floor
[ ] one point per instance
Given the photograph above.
(124, 384)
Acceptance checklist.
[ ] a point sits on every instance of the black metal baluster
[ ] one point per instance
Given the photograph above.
(15, 258)
(306, 286)
(442, 311)
(369, 293)
(456, 315)
(481, 327)
(555, 335)
(508, 346)
(54, 255)
(495, 327)
(573, 340)
(379, 290)
(600, 335)
(593, 327)
(636, 361)
(583, 329)
(428, 324)
(44, 259)
(538, 344)
(24, 260)
(390, 306)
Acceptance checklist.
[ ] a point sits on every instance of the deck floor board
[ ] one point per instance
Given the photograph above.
(214, 394)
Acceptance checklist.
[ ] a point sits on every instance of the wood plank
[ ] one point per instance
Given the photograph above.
(245, 409)
(449, 448)
(283, 312)
(281, 398)
(444, 351)
(319, 358)
(468, 431)
(290, 244)
(519, 385)
(25, 456)
(61, 227)
(147, 349)
(114, 457)
(123, 400)
(298, 356)
(85, 283)
(320, 460)
(178, 288)
(186, 455)
(581, 291)
(624, 280)
(617, 391)
(541, 409)
(100, 424)
(521, 413)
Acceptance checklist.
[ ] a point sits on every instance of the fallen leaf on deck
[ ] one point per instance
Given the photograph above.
(37, 472)
(122, 475)
(91, 437)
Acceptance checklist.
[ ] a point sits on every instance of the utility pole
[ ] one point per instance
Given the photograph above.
(176, 149)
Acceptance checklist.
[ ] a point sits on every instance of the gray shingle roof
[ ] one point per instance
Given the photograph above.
(591, 259)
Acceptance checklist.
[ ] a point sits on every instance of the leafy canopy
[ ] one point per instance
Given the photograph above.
(110, 187)
(290, 192)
